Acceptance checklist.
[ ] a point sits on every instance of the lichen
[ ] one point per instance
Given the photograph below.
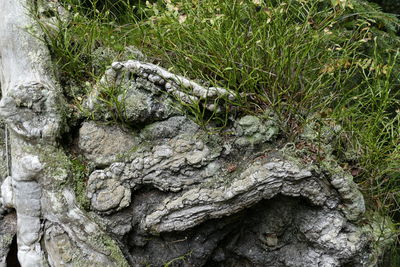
(252, 130)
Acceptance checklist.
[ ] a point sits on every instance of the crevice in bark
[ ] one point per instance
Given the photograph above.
(69, 139)
(12, 256)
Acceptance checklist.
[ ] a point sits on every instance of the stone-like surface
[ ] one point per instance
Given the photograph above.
(261, 180)
(288, 232)
(229, 199)
(284, 231)
(180, 179)
(145, 91)
(107, 191)
(4, 165)
(29, 110)
(106, 54)
(3, 153)
(103, 144)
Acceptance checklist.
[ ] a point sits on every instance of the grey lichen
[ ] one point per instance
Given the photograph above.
(252, 131)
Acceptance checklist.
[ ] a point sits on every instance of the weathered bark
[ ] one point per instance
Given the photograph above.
(32, 107)
(238, 198)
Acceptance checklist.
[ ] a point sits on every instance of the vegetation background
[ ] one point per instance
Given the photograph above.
(332, 63)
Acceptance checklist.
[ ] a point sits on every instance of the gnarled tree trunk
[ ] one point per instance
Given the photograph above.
(32, 107)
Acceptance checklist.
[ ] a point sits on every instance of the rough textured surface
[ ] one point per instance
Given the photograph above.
(8, 229)
(163, 191)
(279, 232)
(234, 199)
(251, 131)
(180, 180)
(144, 93)
(103, 145)
(32, 108)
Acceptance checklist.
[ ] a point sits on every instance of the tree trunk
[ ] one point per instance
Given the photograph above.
(32, 107)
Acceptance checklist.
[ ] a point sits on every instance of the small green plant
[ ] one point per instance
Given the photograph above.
(112, 101)
(250, 49)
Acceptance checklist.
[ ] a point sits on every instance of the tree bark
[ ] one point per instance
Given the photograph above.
(32, 107)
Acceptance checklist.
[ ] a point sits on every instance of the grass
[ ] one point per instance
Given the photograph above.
(335, 60)
(74, 37)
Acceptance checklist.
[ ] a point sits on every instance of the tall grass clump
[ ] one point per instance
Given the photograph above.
(75, 32)
(296, 57)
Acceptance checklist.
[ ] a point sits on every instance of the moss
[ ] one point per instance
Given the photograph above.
(78, 182)
(64, 171)
(110, 246)
(57, 165)
(213, 141)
